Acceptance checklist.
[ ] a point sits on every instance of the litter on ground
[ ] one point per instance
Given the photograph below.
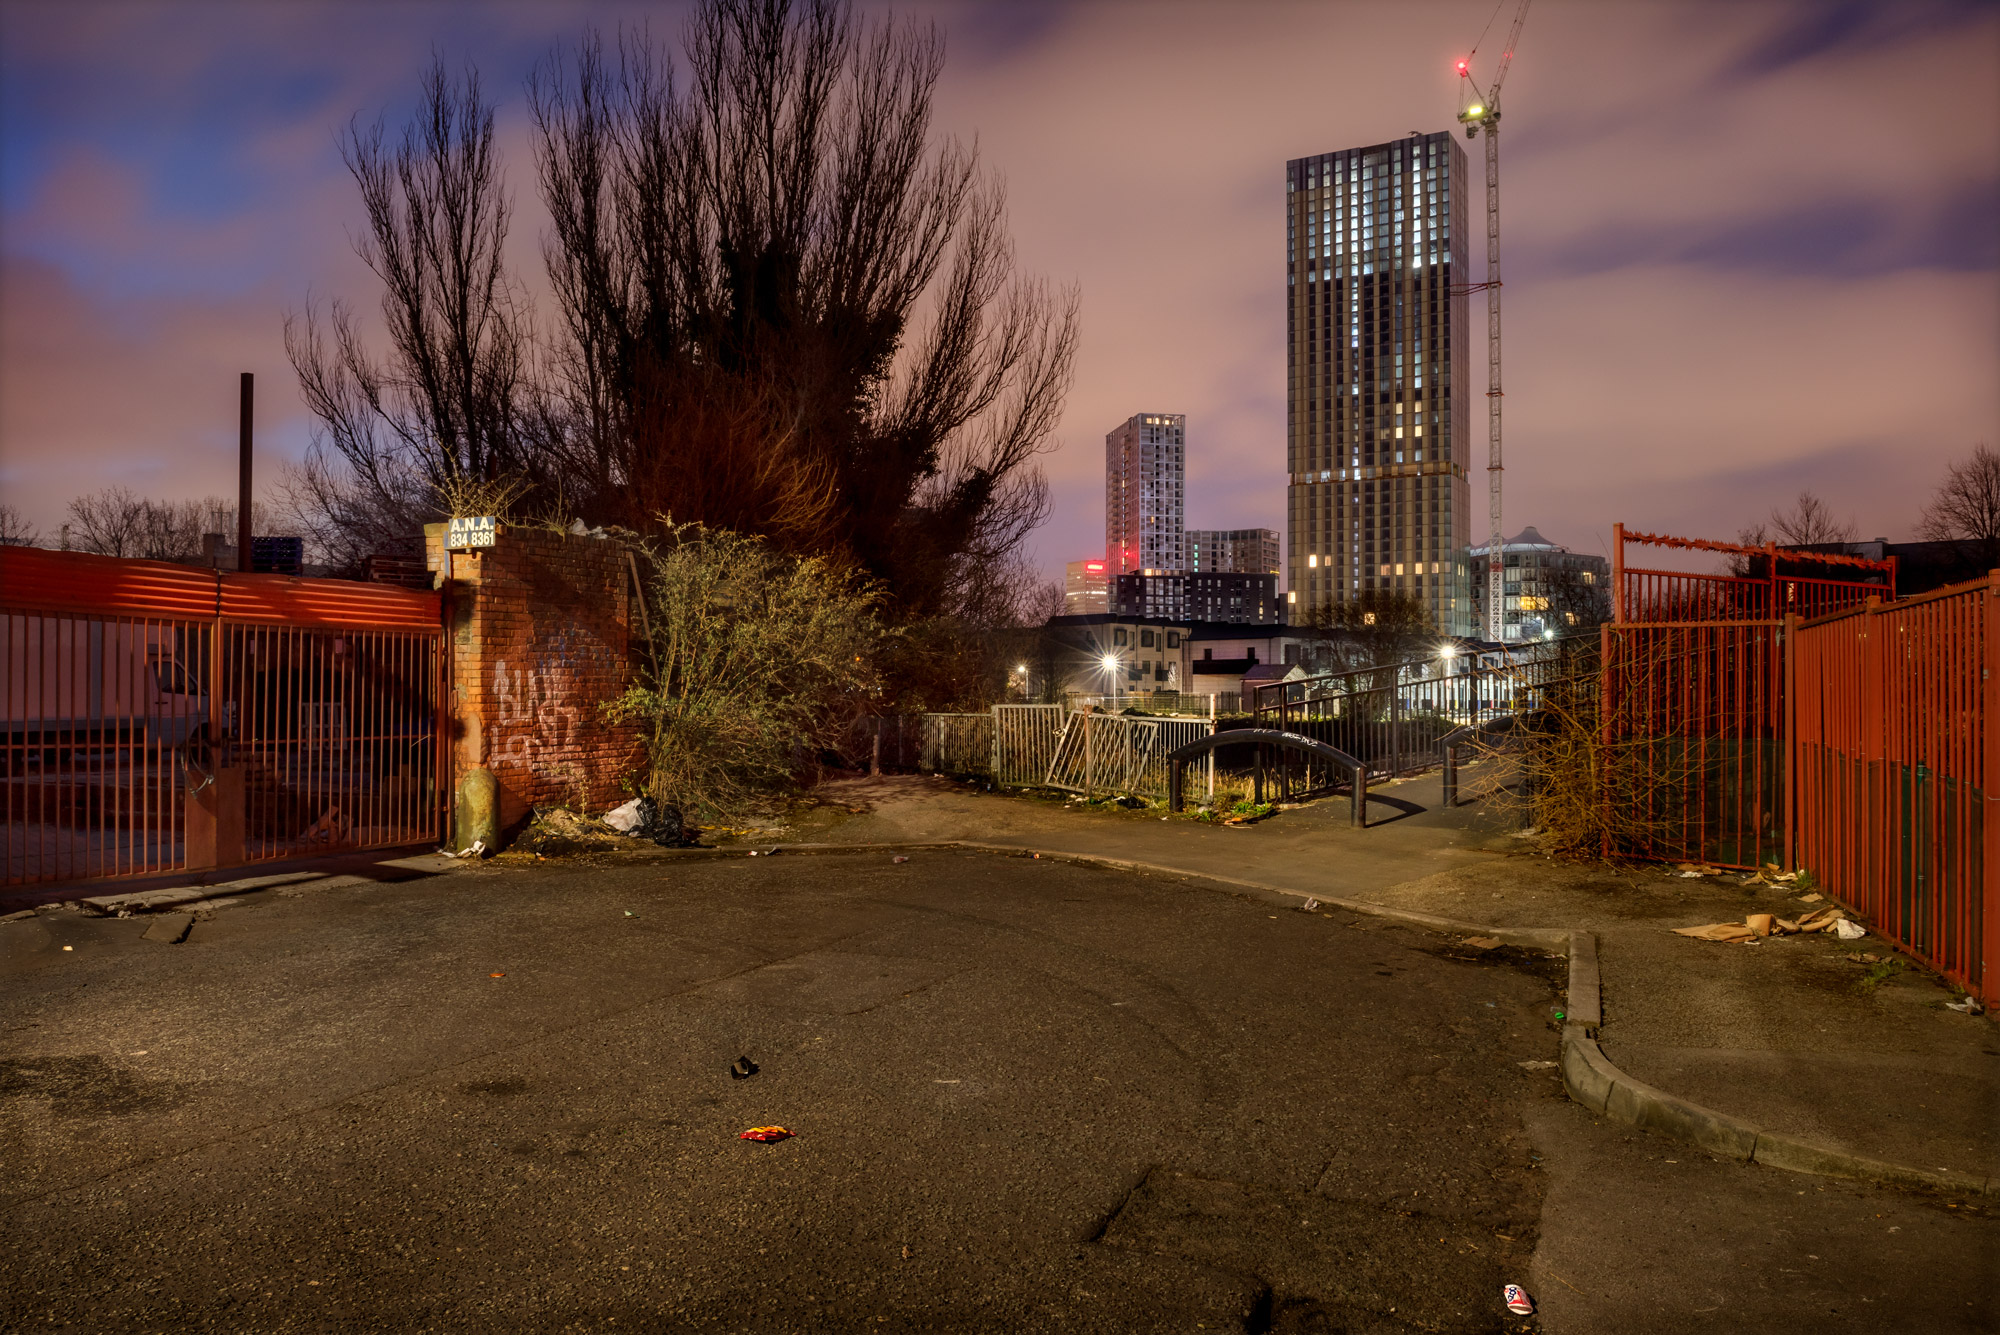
(1769, 924)
(1517, 1300)
(768, 1135)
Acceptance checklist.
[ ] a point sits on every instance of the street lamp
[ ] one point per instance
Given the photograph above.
(1111, 676)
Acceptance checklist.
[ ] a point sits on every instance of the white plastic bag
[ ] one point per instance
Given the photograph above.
(624, 819)
(1849, 930)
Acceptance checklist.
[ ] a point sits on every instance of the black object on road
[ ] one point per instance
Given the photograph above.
(743, 1069)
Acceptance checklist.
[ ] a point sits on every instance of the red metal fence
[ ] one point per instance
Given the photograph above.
(162, 718)
(1765, 717)
(1693, 741)
(1892, 762)
(1765, 590)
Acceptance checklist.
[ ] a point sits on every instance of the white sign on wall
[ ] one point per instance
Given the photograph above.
(475, 531)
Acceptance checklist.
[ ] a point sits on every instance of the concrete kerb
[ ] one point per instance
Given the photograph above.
(1589, 1076)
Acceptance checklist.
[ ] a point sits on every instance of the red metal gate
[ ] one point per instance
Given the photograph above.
(1693, 744)
(1893, 759)
(162, 718)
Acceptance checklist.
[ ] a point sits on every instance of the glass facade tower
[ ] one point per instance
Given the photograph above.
(1145, 468)
(1378, 428)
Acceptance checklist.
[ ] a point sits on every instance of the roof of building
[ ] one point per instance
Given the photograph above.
(1221, 667)
(1529, 539)
(1194, 629)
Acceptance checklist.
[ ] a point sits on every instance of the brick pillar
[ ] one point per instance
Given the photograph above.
(541, 638)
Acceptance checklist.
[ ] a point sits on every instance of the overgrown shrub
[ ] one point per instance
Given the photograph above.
(756, 660)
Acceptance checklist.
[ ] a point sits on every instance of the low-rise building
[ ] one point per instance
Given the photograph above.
(1549, 589)
(1242, 599)
(1124, 655)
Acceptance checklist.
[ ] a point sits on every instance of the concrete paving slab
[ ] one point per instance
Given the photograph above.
(169, 928)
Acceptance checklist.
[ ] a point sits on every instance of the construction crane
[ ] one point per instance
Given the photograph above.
(1479, 112)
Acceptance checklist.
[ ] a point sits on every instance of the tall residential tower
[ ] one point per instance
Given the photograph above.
(1144, 512)
(1378, 419)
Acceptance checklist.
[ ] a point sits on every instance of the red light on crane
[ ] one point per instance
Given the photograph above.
(1461, 67)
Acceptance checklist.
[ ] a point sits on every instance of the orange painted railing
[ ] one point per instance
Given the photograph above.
(1893, 761)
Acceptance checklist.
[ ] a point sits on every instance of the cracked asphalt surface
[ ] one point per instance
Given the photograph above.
(1026, 1096)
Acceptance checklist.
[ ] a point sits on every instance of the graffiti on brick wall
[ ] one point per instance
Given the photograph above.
(544, 708)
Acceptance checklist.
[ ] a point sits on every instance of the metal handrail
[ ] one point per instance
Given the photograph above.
(1261, 737)
(1448, 749)
(1516, 659)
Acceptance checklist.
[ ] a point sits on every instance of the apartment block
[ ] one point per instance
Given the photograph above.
(1144, 494)
(1234, 551)
(1378, 366)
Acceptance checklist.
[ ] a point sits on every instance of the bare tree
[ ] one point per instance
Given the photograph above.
(1966, 506)
(15, 530)
(1809, 521)
(1376, 628)
(118, 522)
(446, 403)
(1576, 601)
(789, 311)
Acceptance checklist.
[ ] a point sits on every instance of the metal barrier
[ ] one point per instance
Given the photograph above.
(1448, 746)
(1692, 720)
(1206, 705)
(958, 744)
(1394, 717)
(1118, 754)
(162, 718)
(1024, 743)
(1282, 742)
(1644, 595)
(1893, 753)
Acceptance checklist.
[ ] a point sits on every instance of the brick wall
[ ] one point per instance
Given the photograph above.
(540, 637)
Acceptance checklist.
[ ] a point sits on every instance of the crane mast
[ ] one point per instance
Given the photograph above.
(1482, 113)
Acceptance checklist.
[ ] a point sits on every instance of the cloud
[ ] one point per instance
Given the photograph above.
(1750, 246)
(140, 393)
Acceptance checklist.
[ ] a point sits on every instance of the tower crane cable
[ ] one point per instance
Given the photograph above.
(1478, 114)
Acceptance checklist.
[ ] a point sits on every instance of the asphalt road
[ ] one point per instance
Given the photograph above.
(1026, 1096)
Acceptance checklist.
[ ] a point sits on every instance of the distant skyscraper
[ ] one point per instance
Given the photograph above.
(1234, 551)
(1379, 421)
(1144, 467)
(1086, 588)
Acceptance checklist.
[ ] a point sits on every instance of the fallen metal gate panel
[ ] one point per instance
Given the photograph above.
(1111, 753)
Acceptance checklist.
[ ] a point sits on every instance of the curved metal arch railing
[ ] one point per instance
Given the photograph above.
(1284, 741)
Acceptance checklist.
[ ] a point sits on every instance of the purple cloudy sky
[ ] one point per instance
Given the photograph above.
(1752, 246)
